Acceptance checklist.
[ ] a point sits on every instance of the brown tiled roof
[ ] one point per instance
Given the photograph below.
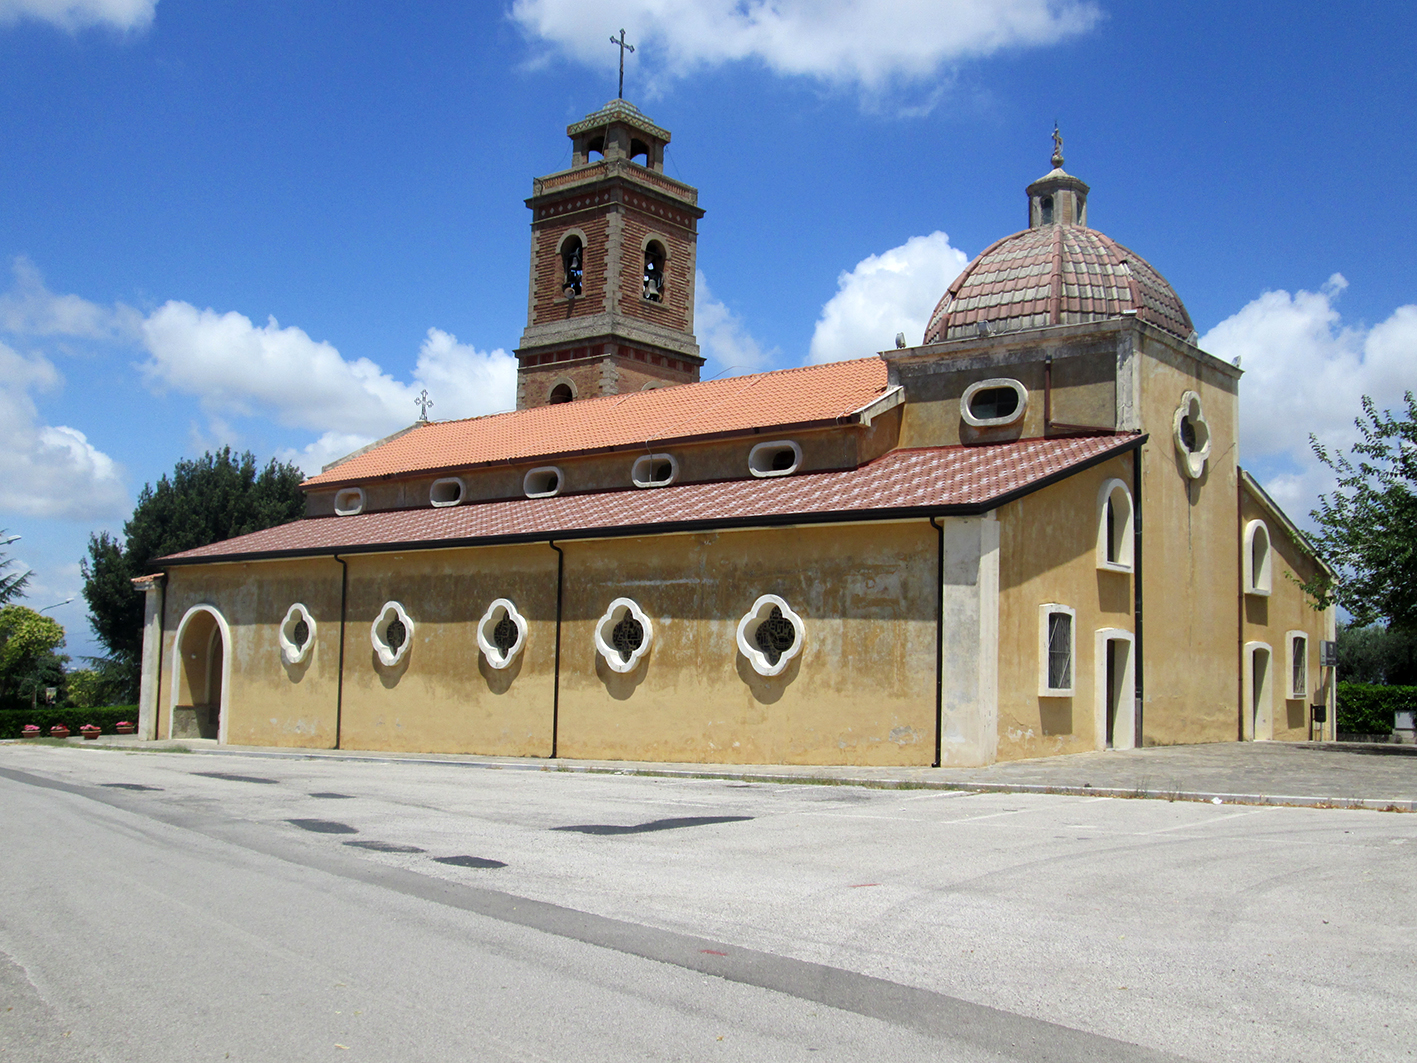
(786, 397)
(903, 482)
(1055, 275)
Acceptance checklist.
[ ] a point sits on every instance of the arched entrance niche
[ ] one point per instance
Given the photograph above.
(201, 676)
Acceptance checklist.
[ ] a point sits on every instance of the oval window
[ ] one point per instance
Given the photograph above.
(654, 470)
(992, 403)
(446, 492)
(779, 458)
(543, 482)
(349, 502)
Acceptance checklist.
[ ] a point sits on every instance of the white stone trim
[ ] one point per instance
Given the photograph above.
(499, 608)
(1291, 690)
(1124, 724)
(1257, 721)
(289, 651)
(378, 634)
(1122, 526)
(442, 483)
(1193, 460)
(349, 501)
(535, 482)
(1045, 690)
(605, 628)
(643, 469)
(748, 631)
(1258, 583)
(984, 385)
(760, 458)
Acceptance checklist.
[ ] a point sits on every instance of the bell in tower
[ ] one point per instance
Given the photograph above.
(613, 240)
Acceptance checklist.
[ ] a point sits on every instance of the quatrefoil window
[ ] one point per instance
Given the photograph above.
(391, 634)
(770, 635)
(501, 633)
(1192, 435)
(296, 634)
(623, 635)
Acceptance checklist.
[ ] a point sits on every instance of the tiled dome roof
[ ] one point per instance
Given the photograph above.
(1055, 275)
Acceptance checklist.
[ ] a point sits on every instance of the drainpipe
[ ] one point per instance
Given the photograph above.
(339, 682)
(1139, 666)
(939, 639)
(556, 673)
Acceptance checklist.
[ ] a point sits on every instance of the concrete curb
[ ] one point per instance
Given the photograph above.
(807, 777)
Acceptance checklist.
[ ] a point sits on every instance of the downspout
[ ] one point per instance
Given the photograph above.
(556, 672)
(1139, 666)
(339, 682)
(939, 639)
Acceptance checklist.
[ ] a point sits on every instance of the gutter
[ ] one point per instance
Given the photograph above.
(971, 509)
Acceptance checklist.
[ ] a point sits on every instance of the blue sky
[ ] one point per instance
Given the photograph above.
(271, 224)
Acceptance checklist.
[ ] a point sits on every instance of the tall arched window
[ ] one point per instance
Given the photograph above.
(1114, 527)
(572, 262)
(654, 272)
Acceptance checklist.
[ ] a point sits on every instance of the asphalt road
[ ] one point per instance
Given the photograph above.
(161, 907)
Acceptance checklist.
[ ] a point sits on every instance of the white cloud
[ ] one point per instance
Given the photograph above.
(723, 338)
(31, 309)
(867, 42)
(49, 470)
(236, 368)
(81, 14)
(1306, 371)
(895, 291)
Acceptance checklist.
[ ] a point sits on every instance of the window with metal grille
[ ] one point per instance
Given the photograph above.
(1299, 664)
(1060, 650)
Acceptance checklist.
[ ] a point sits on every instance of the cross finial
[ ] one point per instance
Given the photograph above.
(1057, 148)
(623, 49)
(423, 402)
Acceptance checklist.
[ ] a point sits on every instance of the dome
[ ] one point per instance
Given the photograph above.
(1055, 275)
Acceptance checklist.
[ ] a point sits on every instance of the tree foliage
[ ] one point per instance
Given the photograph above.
(217, 496)
(28, 641)
(1375, 654)
(1368, 523)
(12, 584)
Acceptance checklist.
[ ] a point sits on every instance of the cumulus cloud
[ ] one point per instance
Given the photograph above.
(1307, 371)
(895, 291)
(49, 470)
(29, 308)
(867, 42)
(723, 337)
(236, 368)
(75, 15)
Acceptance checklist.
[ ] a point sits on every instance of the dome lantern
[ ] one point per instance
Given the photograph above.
(1057, 198)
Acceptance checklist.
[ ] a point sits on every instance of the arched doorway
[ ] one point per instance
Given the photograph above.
(199, 676)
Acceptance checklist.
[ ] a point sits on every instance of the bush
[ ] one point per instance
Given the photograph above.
(12, 721)
(1367, 708)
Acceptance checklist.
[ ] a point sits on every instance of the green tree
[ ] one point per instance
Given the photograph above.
(1368, 523)
(207, 499)
(27, 658)
(12, 585)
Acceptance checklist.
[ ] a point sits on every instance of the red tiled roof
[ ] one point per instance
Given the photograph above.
(785, 397)
(935, 479)
(1055, 275)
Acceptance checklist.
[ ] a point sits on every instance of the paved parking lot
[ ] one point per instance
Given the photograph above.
(178, 906)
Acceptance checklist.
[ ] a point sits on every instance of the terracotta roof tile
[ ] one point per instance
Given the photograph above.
(736, 404)
(926, 479)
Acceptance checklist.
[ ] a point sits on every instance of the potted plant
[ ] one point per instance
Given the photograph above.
(90, 731)
(126, 727)
(59, 731)
(31, 730)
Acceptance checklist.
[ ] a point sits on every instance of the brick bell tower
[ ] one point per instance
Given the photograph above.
(611, 308)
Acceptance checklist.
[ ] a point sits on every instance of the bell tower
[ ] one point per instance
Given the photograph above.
(611, 305)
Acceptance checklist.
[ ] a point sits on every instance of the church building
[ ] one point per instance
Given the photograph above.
(1027, 535)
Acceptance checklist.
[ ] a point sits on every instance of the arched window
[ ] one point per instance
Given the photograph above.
(1046, 205)
(1256, 561)
(560, 393)
(654, 272)
(572, 263)
(1114, 527)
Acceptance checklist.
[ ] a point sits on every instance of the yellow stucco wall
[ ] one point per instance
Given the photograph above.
(1190, 562)
(1269, 619)
(1048, 554)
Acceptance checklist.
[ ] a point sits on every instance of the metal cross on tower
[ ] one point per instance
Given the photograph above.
(423, 402)
(623, 49)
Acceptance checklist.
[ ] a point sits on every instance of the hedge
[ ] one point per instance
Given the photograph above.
(12, 721)
(1367, 708)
